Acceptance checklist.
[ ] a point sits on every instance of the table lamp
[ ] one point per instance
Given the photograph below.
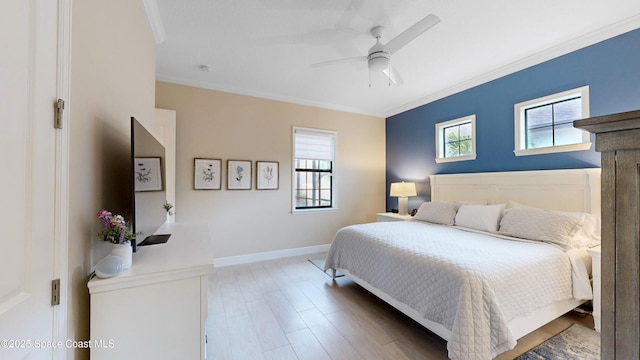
(403, 190)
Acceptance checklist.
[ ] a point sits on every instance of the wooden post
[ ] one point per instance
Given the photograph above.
(618, 139)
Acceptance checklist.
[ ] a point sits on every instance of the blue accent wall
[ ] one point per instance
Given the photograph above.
(610, 68)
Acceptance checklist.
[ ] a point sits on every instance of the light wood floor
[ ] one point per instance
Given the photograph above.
(288, 309)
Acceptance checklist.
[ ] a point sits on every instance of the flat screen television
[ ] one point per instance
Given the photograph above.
(147, 185)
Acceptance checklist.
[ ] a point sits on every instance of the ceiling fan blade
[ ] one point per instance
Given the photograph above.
(339, 61)
(411, 33)
(393, 75)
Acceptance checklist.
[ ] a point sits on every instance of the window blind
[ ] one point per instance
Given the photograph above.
(314, 144)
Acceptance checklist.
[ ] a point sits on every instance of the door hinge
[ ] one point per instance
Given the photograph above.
(55, 292)
(59, 110)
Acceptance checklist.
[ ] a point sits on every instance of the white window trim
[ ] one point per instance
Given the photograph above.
(519, 128)
(334, 187)
(440, 151)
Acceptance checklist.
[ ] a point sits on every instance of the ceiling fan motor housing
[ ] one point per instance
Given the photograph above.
(378, 58)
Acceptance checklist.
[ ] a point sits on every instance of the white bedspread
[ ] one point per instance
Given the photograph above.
(473, 284)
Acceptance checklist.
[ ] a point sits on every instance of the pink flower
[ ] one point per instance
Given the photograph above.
(105, 217)
(115, 228)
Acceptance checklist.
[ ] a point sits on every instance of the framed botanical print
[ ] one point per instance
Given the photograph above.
(267, 175)
(207, 174)
(239, 174)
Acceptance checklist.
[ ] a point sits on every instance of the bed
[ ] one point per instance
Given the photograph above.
(478, 288)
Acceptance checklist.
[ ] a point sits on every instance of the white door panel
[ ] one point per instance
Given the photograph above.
(28, 73)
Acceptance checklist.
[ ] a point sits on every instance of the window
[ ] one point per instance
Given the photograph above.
(456, 139)
(314, 169)
(545, 125)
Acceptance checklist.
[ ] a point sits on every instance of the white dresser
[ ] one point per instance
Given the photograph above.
(596, 274)
(157, 308)
(392, 217)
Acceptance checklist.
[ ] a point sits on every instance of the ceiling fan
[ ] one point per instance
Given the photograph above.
(379, 56)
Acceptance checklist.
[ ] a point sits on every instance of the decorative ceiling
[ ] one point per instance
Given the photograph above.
(264, 48)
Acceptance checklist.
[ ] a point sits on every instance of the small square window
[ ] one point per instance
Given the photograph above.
(456, 139)
(545, 125)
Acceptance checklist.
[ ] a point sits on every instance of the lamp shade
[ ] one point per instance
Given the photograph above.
(403, 189)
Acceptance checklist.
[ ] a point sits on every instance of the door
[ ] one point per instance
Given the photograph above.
(28, 86)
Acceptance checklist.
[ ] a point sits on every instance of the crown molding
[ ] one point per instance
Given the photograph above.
(153, 15)
(266, 95)
(578, 43)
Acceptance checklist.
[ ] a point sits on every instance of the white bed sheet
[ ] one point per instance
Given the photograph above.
(474, 283)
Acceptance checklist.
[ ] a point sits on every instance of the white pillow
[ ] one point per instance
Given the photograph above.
(589, 234)
(480, 217)
(539, 224)
(437, 212)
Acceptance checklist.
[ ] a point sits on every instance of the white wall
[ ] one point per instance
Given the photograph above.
(112, 79)
(213, 124)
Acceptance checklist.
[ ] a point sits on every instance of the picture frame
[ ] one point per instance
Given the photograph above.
(267, 175)
(207, 174)
(147, 174)
(239, 174)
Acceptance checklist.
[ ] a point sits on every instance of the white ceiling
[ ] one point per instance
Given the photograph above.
(264, 47)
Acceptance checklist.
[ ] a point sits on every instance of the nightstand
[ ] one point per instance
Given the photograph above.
(392, 217)
(596, 274)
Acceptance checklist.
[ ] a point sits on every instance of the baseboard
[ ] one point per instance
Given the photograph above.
(269, 255)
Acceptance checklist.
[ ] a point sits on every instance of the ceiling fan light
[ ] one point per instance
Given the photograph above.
(378, 63)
